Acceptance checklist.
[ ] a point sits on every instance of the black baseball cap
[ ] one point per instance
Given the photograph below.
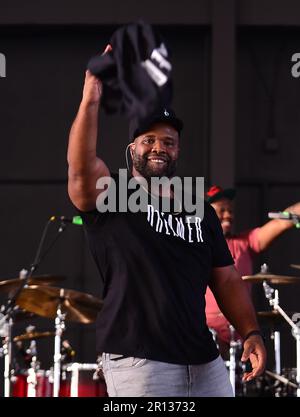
(165, 115)
(216, 193)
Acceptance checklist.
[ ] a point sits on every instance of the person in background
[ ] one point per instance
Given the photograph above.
(243, 248)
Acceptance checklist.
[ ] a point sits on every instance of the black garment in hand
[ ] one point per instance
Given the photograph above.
(136, 74)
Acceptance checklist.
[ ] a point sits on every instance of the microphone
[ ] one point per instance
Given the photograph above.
(285, 215)
(77, 220)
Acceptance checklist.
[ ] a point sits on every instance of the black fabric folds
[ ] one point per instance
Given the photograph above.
(136, 74)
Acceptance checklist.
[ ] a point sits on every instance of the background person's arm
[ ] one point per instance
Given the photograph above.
(274, 228)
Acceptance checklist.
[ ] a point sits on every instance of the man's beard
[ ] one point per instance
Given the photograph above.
(142, 165)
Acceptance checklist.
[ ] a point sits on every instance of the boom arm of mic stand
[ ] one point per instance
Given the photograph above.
(8, 309)
(37, 260)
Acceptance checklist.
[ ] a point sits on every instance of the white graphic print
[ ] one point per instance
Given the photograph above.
(190, 230)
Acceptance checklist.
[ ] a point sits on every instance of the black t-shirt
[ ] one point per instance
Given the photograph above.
(155, 269)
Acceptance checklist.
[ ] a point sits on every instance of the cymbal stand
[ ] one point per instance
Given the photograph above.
(32, 378)
(6, 323)
(59, 329)
(232, 358)
(274, 302)
(269, 291)
(8, 309)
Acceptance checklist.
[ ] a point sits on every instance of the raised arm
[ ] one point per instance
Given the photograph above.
(235, 303)
(274, 228)
(85, 168)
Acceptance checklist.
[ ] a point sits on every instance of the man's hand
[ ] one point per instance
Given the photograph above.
(254, 350)
(295, 209)
(92, 90)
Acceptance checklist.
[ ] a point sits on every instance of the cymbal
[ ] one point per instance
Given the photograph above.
(295, 266)
(12, 284)
(271, 317)
(273, 279)
(44, 301)
(32, 335)
(20, 315)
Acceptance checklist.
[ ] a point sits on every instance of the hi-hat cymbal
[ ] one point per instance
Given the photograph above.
(12, 284)
(273, 279)
(44, 301)
(296, 266)
(32, 335)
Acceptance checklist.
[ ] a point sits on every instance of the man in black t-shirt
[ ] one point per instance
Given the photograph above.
(155, 265)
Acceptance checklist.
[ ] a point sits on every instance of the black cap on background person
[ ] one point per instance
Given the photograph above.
(216, 193)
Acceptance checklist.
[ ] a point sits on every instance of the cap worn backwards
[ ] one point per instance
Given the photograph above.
(216, 193)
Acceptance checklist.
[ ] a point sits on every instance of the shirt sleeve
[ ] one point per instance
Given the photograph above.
(89, 218)
(253, 240)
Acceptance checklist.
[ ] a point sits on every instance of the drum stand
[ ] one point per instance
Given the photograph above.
(234, 344)
(274, 302)
(6, 323)
(32, 377)
(59, 329)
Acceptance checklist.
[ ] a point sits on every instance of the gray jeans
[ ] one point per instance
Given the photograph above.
(137, 377)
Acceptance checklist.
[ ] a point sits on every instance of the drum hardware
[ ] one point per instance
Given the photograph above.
(232, 357)
(75, 368)
(6, 323)
(59, 329)
(78, 386)
(16, 288)
(61, 304)
(274, 302)
(282, 379)
(30, 355)
(32, 371)
(235, 345)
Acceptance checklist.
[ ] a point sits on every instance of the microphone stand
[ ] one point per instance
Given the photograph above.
(8, 310)
(234, 345)
(274, 302)
(59, 329)
(275, 333)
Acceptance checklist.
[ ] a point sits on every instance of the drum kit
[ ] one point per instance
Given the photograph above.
(38, 298)
(286, 382)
